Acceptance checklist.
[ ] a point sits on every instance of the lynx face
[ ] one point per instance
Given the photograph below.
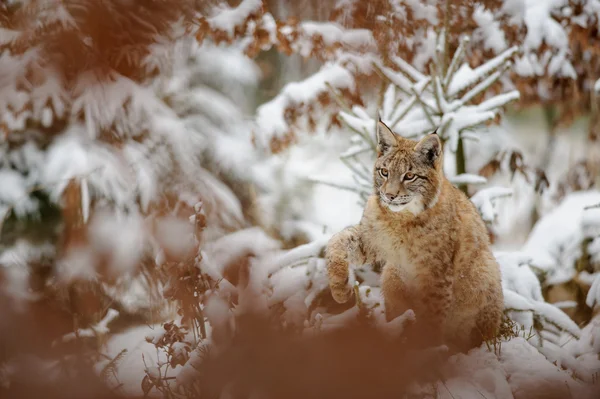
(408, 174)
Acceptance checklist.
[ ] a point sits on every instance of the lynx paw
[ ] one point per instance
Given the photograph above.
(341, 294)
(339, 279)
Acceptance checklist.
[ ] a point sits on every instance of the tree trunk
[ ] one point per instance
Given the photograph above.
(461, 163)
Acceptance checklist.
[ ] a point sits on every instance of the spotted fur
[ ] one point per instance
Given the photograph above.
(432, 243)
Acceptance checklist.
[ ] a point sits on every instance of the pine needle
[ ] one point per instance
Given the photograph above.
(112, 365)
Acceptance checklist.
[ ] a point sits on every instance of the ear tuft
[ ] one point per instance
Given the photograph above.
(429, 148)
(386, 139)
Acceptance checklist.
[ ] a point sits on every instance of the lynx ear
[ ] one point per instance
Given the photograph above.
(429, 148)
(385, 138)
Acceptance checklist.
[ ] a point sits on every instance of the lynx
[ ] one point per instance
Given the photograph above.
(431, 242)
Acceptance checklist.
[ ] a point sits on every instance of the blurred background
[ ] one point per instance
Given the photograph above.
(167, 166)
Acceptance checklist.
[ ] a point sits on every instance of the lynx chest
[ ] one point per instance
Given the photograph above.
(395, 252)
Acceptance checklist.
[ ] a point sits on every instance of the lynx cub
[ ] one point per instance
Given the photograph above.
(431, 242)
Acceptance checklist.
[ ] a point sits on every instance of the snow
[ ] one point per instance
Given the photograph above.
(292, 198)
(397, 78)
(554, 242)
(425, 49)
(423, 11)
(123, 175)
(270, 117)
(13, 262)
(175, 235)
(593, 295)
(560, 66)
(489, 30)
(517, 276)
(131, 368)
(531, 375)
(217, 313)
(499, 100)
(125, 249)
(523, 295)
(541, 26)
(7, 35)
(467, 178)
(77, 265)
(413, 73)
(14, 195)
(556, 317)
(465, 76)
(527, 66)
(101, 328)
(302, 253)
(227, 249)
(288, 283)
(485, 201)
(227, 19)
(478, 374)
(103, 104)
(332, 33)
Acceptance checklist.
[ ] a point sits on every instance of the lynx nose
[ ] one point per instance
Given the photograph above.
(390, 197)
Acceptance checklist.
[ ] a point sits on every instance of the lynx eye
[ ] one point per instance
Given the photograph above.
(383, 172)
(409, 176)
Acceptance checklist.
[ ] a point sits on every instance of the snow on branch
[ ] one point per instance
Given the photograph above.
(228, 19)
(523, 300)
(466, 178)
(255, 30)
(485, 202)
(415, 104)
(94, 331)
(555, 242)
(275, 118)
(346, 52)
(466, 77)
(332, 33)
(455, 103)
(593, 296)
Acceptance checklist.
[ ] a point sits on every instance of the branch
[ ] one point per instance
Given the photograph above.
(456, 60)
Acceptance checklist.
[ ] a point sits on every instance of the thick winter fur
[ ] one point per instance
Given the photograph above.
(432, 243)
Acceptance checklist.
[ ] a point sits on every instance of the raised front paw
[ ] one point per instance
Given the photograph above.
(341, 292)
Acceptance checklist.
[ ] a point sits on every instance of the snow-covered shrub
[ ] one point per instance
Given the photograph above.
(556, 243)
(124, 143)
(525, 304)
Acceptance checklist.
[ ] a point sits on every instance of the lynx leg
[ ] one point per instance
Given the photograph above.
(393, 291)
(488, 322)
(343, 249)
